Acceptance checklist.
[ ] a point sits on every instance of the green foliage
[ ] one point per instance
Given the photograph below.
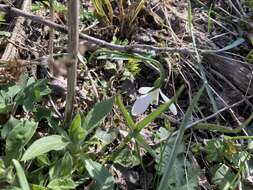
(7, 95)
(38, 187)
(21, 175)
(62, 184)
(170, 161)
(26, 93)
(127, 159)
(44, 145)
(18, 137)
(250, 3)
(46, 153)
(232, 162)
(249, 57)
(222, 176)
(183, 175)
(2, 17)
(133, 66)
(58, 158)
(42, 5)
(4, 33)
(114, 55)
(106, 137)
(60, 8)
(8, 126)
(76, 132)
(97, 114)
(39, 6)
(104, 180)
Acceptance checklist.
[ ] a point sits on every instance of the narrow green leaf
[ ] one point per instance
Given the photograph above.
(21, 175)
(167, 172)
(234, 44)
(126, 115)
(209, 22)
(101, 175)
(222, 129)
(76, 132)
(130, 122)
(97, 114)
(63, 167)
(44, 145)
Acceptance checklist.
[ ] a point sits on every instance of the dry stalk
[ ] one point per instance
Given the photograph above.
(51, 37)
(73, 44)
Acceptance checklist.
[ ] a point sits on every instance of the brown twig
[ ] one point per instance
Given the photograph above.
(73, 44)
(136, 48)
(51, 38)
(218, 112)
(11, 50)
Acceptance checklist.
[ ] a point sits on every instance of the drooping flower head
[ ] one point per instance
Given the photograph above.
(150, 96)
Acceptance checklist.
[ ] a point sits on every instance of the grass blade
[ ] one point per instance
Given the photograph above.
(140, 140)
(21, 175)
(179, 138)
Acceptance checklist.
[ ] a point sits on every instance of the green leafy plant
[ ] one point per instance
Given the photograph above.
(68, 146)
(42, 5)
(27, 93)
(137, 127)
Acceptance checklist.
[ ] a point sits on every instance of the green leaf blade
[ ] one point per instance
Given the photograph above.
(97, 114)
(21, 175)
(103, 178)
(18, 137)
(76, 132)
(44, 145)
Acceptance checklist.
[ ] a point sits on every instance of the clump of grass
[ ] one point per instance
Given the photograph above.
(104, 11)
(127, 16)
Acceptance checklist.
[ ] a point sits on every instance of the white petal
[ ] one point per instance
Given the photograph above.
(155, 96)
(144, 90)
(141, 104)
(172, 107)
(165, 98)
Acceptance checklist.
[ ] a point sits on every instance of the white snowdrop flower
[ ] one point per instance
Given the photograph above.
(148, 97)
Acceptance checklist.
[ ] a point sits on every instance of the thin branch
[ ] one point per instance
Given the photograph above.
(11, 51)
(51, 38)
(218, 112)
(73, 44)
(138, 48)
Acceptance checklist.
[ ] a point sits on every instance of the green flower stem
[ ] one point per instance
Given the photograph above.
(136, 129)
(125, 113)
